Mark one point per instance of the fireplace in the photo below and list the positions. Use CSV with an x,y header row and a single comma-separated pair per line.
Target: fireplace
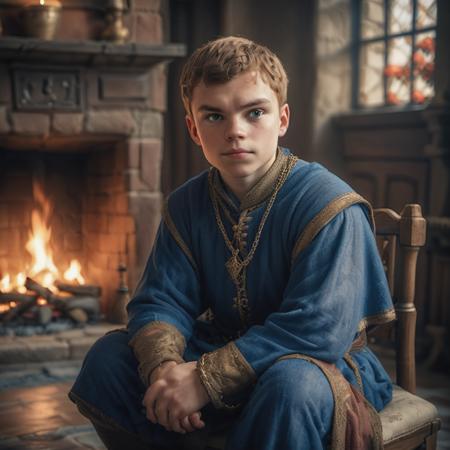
x,y
81,146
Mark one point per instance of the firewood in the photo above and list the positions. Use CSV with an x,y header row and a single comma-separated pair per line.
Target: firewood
x,y
19,309
42,291
88,304
6,297
75,289
78,315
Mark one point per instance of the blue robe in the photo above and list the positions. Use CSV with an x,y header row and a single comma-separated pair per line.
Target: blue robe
x,y
311,302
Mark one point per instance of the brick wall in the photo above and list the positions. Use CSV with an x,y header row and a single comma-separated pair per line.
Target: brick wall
x,y
102,159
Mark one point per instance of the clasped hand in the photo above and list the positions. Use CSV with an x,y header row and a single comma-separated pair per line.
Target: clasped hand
x,y
175,397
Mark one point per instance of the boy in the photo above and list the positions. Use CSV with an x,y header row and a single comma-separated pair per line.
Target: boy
x,y
281,255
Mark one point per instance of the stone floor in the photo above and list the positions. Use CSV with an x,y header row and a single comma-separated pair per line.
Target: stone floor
x,y
35,412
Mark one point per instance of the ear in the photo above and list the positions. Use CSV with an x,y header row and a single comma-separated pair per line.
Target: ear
x,y
192,129
284,119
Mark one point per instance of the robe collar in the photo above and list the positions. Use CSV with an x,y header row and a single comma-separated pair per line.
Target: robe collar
x,y
259,192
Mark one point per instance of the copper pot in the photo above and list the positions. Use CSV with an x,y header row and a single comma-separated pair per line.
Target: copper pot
x,y
41,21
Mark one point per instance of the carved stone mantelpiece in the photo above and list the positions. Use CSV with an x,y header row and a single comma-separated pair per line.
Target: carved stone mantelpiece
x,y
126,82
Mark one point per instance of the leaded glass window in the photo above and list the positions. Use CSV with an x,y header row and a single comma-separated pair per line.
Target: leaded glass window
x,y
393,52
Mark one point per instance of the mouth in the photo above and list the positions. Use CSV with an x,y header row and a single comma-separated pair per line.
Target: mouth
x,y
236,152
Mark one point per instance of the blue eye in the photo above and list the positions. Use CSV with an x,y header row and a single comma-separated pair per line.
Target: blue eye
x,y
256,113
213,117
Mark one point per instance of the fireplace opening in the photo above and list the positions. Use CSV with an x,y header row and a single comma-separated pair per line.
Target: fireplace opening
x,y
62,227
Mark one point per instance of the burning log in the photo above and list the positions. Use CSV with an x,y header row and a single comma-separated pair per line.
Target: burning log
x,y
77,308
75,289
42,291
83,303
6,297
20,309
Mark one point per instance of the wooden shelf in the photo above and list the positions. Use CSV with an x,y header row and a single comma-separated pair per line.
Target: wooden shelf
x,y
95,53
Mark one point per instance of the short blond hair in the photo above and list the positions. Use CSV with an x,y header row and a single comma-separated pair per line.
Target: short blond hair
x,y
222,59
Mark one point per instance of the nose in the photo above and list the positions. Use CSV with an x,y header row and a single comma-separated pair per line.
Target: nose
x,y
235,129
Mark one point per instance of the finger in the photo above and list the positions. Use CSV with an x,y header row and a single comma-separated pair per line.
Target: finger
x,y
175,424
162,412
186,424
149,400
195,420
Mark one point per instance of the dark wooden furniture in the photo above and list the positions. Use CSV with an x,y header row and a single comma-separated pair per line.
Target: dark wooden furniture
x,y
409,422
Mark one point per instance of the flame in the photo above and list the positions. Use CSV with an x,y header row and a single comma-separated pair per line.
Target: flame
x,y
74,272
37,246
5,283
42,268
20,282
42,2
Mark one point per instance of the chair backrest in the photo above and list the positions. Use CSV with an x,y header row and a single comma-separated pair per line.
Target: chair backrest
x,y
399,239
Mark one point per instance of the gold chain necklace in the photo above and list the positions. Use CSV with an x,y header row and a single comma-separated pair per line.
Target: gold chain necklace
x,y
236,265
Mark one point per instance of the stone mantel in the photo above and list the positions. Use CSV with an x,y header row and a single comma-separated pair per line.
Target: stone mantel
x,y
90,91
95,53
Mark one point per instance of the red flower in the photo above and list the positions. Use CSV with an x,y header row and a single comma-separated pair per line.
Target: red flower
x,y
419,59
427,71
393,70
392,99
418,97
426,44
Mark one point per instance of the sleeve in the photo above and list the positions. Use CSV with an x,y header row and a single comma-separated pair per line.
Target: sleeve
x,y
166,303
322,306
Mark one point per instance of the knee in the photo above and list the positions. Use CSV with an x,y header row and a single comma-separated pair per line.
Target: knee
x,y
107,355
297,383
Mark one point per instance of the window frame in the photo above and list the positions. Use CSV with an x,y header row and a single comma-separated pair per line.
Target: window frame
x,y
357,43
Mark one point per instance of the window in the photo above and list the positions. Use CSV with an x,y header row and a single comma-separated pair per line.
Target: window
x,y
393,52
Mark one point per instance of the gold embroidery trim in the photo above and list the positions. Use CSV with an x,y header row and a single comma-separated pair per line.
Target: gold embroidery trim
x,y
155,343
325,216
261,190
377,319
176,235
225,372
264,187
341,392
351,363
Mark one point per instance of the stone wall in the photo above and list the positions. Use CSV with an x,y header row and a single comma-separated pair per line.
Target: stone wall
x,y
112,128
333,84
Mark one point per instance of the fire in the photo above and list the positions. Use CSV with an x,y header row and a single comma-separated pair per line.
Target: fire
x,y
73,273
38,246
42,268
5,283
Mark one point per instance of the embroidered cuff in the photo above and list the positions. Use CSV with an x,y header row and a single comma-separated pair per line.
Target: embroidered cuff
x,y
223,373
155,343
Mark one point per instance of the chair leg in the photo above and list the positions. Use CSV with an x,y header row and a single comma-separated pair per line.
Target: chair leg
x,y
431,441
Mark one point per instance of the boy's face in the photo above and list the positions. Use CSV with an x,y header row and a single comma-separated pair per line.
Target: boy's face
x,y
237,124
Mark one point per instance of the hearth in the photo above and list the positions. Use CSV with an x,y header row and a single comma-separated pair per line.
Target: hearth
x,y
80,156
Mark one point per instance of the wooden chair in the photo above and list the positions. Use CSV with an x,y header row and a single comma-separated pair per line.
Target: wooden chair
x,y
409,422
